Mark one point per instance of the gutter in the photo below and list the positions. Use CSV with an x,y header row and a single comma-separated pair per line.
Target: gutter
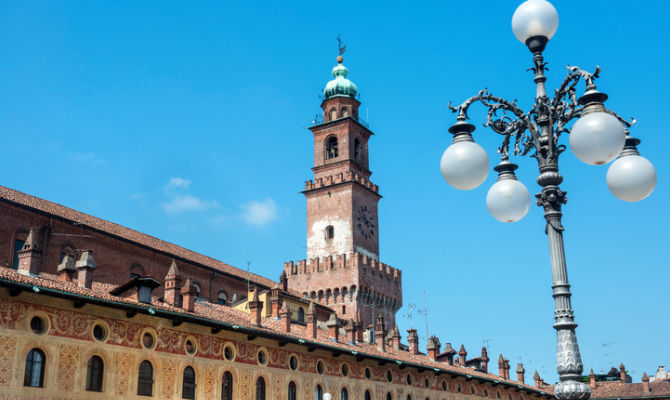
x,y
250,331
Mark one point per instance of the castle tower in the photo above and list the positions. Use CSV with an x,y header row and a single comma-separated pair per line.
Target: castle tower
x,y
342,268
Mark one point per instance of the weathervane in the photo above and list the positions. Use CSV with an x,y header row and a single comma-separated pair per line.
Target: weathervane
x,y
340,46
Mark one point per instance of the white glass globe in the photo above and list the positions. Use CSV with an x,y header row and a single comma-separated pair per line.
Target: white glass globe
x,y
464,165
597,138
534,18
326,396
508,200
631,178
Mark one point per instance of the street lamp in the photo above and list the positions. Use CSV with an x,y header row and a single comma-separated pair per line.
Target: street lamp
x,y
598,137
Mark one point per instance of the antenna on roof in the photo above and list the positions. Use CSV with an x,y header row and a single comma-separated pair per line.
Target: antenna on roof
x,y
424,311
408,315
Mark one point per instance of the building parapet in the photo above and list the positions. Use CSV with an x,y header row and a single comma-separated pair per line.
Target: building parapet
x,y
341,177
349,260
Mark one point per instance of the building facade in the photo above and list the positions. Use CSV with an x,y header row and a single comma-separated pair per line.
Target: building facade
x,y
92,310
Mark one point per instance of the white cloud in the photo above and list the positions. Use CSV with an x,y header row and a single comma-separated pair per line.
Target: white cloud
x,y
259,212
177,183
88,158
187,202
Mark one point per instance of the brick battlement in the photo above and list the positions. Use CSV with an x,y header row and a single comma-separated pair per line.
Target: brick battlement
x,y
341,177
340,261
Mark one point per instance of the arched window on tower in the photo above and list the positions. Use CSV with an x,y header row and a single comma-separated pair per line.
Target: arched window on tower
x,y
333,114
34,374
357,148
145,379
345,112
227,386
94,373
330,232
331,147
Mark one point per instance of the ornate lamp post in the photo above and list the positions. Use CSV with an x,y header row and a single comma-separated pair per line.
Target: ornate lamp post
x,y
597,137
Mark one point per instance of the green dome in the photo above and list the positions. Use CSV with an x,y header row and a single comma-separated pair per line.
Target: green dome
x,y
340,86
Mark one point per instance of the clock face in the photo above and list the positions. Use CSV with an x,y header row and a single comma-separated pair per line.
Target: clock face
x,y
365,222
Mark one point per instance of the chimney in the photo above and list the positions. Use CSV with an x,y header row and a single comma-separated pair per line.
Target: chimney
x,y
255,308
413,340
350,328
622,373
645,383
29,255
536,378
501,366
485,360
283,281
85,267
188,295
433,347
311,320
592,379
66,268
520,373
507,369
285,316
275,302
395,338
333,325
450,352
380,333
461,355
172,285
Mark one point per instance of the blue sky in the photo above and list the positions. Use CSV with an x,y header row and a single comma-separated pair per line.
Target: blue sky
x,y
186,120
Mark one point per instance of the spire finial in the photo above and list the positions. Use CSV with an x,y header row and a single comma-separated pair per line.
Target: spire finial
x,y
341,47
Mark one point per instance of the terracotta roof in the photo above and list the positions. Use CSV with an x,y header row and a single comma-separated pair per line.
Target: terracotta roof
x,y
110,228
206,311
617,390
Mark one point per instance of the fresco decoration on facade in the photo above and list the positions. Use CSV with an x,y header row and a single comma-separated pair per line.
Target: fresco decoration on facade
x,y
307,387
210,382
278,385
169,376
245,383
67,367
124,366
7,357
11,312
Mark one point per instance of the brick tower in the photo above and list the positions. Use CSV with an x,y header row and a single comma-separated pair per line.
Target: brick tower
x,y
342,267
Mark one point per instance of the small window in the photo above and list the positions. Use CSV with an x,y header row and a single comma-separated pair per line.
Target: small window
x,y
344,394
409,397
330,232
331,147
197,290
345,112
409,379
188,386
228,352
189,346
318,394
260,388
458,387
99,332
222,298
319,367
344,310
227,386
426,383
367,373
389,376
357,148
301,315
345,370
388,396
145,294
333,114
293,363
444,386
18,245
94,373
292,391
262,357
148,340
367,395
145,379
34,374
37,325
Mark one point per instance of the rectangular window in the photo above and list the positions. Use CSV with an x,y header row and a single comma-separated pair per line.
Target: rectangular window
x,y
18,245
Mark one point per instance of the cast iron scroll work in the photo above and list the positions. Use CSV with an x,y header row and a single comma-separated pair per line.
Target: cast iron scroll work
x,y
540,129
